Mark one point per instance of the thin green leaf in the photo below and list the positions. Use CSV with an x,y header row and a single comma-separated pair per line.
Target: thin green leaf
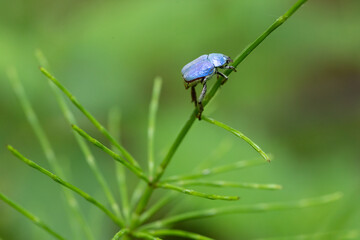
x,y
144,235
178,233
114,128
96,123
120,233
90,159
196,193
230,184
57,179
152,119
156,207
216,170
46,147
216,155
137,193
137,171
238,134
260,207
30,216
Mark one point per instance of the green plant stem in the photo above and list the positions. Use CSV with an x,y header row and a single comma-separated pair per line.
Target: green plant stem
x,y
261,207
137,171
46,147
178,233
114,128
151,128
30,216
196,193
57,179
137,194
120,234
100,127
211,94
230,184
238,134
216,170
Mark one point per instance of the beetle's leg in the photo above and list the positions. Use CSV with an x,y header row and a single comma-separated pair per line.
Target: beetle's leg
x,y
193,95
229,67
224,76
201,98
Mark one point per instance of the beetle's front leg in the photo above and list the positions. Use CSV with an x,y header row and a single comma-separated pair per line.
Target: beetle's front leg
x,y
193,96
224,76
230,67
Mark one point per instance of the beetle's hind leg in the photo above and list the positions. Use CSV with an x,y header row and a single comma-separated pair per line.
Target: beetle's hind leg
x,y
201,98
193,96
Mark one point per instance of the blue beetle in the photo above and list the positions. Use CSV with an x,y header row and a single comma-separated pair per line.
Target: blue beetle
x,y
201,70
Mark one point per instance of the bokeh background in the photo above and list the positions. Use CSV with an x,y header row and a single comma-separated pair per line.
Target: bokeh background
x,y
297,96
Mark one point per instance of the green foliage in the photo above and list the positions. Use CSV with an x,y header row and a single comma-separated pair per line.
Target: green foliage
x,y
134,217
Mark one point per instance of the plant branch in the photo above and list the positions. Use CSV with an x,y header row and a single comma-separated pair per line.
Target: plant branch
x,y
137,171
216,170
178,233
95,122
261,207
114,128
196,193
57,179
152,119
238,134
30,216
47,148
230,184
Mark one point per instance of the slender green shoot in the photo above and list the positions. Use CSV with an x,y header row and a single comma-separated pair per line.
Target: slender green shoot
x,y
46,147
216,170
152,119
30,216
238,134
114,129
144,235
120,234
57,179
216,155
260,207
90,159
136,170
156,207
178,233
137,193
230,184
196,193
95,122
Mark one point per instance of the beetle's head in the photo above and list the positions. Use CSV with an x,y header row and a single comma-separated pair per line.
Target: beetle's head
x,y
228,60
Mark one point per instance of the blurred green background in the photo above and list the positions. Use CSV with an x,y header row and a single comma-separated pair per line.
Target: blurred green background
x,y
297,96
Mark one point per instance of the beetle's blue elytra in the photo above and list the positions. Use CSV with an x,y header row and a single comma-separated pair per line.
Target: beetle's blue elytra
x,y
202,69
